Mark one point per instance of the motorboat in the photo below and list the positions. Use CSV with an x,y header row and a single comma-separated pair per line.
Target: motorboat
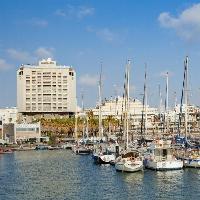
x,y
160,156
190,157
103,157
81,150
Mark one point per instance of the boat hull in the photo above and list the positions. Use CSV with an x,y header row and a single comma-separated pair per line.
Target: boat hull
x,y
129,166
164,165
83,152
194,163
103,159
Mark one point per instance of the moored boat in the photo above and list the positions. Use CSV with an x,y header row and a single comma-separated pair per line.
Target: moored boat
x,y
190,157
81,150
6,151
129,162
106,157
160,156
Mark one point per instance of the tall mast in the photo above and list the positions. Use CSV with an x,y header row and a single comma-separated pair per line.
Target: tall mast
x,y
145,98
127,106
160,98
186,95
160,108
175,118
167,101
76,123
100,104
83,114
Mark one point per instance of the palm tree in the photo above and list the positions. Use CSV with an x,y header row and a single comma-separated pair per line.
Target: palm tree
x,y
110,123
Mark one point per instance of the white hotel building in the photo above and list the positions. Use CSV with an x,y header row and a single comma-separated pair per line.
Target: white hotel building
x,y
46,89
115,108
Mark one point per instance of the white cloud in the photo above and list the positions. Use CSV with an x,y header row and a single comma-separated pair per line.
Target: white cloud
x,y
106,34
164,73
60,12
37,22
186,24
19,55
4,65
43,52
89,80
40,22
29,57
79,12
85,11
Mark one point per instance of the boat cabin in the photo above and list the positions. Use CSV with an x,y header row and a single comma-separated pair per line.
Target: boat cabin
x,y
160,150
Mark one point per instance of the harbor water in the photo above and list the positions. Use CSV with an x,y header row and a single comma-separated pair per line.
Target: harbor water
x,y
62,175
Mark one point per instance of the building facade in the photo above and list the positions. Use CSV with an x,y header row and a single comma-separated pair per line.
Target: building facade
x,y
7,115
13,132
47,88
115,108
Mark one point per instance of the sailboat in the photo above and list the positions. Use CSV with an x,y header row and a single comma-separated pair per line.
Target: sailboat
x,y
102,154
159,155
80,149
142,142
191,155
130,160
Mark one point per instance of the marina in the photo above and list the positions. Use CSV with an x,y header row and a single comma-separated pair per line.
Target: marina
x,y
64,175
100,100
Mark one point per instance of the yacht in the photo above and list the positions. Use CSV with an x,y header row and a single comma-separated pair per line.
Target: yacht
x,y
129,162
190,157
159,156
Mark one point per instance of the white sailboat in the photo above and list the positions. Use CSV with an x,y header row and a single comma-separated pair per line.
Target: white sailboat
x,y
191,156
160,156
102,154
79,148
129,161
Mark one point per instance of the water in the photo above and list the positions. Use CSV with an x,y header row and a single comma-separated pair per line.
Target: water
x,y
62,175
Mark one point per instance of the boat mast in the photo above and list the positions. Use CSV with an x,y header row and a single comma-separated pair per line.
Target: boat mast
x,y
186,95
127,106
145,98
76,123
83,115
100,104
160,109
175,117
167,101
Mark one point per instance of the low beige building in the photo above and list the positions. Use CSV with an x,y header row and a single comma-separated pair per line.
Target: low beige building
x,y
13,132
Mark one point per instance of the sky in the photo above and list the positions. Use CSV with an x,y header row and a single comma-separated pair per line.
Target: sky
x,y
86,33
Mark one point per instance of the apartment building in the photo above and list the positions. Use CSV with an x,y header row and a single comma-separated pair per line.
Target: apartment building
x,y
46,88
115,108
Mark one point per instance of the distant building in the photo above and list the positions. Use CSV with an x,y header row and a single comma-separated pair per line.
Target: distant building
x,y
13,132
7,115
115,108
46,89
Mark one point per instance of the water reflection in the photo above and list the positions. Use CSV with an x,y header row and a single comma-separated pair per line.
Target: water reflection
x,y
63,175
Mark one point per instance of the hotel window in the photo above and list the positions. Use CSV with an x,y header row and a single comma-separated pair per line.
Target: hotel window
x,y
71,73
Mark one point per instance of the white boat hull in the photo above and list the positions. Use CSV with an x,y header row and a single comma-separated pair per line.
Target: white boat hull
x,y
103,159
195,163
129,166
164,165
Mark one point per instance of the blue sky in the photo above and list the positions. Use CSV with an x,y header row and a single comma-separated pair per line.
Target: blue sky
x,y
84,33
